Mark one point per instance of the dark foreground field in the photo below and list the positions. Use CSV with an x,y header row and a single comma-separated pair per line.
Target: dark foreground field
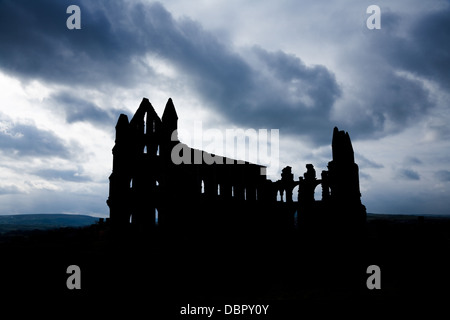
x,y
159,274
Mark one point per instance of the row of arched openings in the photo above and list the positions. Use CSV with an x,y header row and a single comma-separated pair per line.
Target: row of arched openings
x,y
157,150
232,190
156,217
317,194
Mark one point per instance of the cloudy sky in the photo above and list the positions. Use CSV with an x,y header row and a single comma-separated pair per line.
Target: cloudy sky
x,y
302,67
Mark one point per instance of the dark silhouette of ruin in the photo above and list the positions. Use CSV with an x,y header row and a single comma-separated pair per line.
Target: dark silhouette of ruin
x,y
226,233
147,187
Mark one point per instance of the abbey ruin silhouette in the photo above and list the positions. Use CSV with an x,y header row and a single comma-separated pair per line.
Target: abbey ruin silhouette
x,y
147,188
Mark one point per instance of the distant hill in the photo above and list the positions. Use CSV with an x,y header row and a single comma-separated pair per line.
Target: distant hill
x,y
25,222
28,222
405,217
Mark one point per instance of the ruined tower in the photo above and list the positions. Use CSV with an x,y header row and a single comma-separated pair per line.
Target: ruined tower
x,y
343,178
343,171
340,207
134,179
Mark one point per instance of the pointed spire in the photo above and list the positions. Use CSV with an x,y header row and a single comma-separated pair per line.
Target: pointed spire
x,y
140,113
151,113
169,113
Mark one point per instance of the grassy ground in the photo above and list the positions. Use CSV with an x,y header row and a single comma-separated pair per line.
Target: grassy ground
x,y
293,272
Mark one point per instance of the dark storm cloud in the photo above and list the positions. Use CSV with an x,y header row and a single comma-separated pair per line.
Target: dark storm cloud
x,y
426,52
412,161
408,174
443,175
365,176
289,95
67,175
399,100
393,61
260,89
366,163
76,109
277,91
116,36
26,140
36,43
388,103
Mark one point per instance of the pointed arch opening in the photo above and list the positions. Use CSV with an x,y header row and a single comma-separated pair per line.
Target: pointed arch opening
x,y
318,192
296,219
295,193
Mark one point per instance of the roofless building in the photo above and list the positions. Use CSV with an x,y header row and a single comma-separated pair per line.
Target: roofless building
x,y
148,188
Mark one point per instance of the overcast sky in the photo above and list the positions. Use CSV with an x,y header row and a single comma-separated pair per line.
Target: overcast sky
x,y
302,67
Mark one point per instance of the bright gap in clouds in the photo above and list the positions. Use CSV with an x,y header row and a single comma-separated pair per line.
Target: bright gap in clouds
x,y
46,164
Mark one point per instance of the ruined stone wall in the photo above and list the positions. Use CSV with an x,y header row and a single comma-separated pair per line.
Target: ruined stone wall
x,y
145,179
225,195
